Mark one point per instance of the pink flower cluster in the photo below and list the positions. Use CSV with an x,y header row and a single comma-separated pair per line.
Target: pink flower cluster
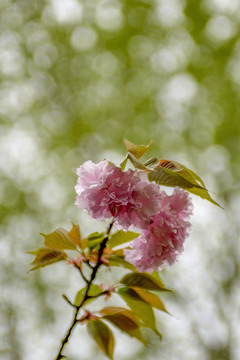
x,y
105,191
162,241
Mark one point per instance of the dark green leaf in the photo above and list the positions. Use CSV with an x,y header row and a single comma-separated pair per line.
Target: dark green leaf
x,y
59,240
46,256
144,281
124,319
142,310
136,150
121,237
102,335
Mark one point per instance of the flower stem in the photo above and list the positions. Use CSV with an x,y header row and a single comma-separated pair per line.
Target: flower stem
x,y
85,297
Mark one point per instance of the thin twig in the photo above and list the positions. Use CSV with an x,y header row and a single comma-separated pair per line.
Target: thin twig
x,y
82,275
89,265
68,301
85,297
96,296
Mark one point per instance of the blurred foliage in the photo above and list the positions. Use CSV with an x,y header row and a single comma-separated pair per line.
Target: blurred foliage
x,y
77,77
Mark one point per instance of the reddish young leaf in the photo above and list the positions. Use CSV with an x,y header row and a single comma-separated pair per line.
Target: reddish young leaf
x,y
136,150
75,234
124,319
102,335
46,256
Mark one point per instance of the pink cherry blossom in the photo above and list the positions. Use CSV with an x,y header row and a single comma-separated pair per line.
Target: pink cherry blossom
x,y
105,191
162,242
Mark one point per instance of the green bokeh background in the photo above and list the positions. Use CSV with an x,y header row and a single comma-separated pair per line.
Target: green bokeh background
x,y
76,78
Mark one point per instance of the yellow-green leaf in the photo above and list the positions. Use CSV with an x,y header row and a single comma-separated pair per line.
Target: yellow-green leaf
x,y
59,240
168,177
151,163
172,173
144,281
102,335
117,260
46,256
93,291
75,234
136,150
183,171
151,299
124,163
142,310
95,239
84,243
136,163
124,319
121,237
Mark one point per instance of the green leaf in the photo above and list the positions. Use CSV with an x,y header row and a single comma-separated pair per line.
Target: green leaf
x,y
136,163
75,234
46,256
151,163
144,281
121,237
93,291
203,193
142,310
151,299
124,319
182,170
172,173
102,335
95,239
168,177
96,235
136,150
124,163
59,240
84,243
116,260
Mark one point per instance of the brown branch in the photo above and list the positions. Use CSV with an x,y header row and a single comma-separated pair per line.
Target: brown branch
x,y
85,297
